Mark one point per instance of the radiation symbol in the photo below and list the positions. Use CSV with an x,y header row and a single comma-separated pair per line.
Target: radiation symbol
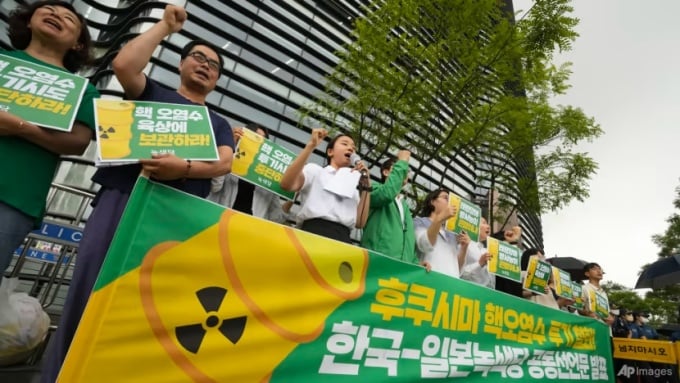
x,y
240,153
104,133
191,336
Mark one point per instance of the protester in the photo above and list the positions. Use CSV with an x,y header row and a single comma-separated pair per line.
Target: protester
x,y
512,236
594,273
549,298
199,69
389,227
324,209
53,34
476,257
233,192
435,245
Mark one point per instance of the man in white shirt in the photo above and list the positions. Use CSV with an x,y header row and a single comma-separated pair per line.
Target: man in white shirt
x,y
594,273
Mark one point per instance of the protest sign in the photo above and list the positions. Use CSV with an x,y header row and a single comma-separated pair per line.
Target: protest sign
x,y
39,94
128,131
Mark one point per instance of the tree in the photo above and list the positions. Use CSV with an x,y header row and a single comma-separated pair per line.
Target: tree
x,y
669,241
661,304
462,81
666,301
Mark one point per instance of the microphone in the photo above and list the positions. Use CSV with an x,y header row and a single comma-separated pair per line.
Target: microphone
x,y
354,159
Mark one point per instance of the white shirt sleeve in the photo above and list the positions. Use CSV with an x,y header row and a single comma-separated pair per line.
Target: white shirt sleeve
x,y
422,242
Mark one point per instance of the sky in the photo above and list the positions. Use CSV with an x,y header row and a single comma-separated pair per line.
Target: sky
x,y
626,74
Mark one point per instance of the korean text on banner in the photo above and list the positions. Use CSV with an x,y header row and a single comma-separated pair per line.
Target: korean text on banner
x,y
601,304
577,291
505,259
322,311
39,94
128,131
562,283
468,217
538,275
262,162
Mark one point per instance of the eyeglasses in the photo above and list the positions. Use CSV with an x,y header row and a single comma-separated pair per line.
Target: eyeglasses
x,y
202,59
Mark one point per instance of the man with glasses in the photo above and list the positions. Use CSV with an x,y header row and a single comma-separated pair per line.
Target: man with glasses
x,y
199,69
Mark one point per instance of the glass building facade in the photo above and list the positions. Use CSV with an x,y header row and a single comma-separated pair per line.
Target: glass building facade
x,y
277,53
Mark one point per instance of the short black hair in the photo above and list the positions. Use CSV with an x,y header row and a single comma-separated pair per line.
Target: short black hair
x,y
589,266
386,165
254,126
426,208
332,142
191,44
524,261
20,34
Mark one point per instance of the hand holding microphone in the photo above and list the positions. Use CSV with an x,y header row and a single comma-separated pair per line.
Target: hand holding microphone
x,y
358,165
364,181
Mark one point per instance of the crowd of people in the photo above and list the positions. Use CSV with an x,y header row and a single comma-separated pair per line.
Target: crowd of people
x,y
52,33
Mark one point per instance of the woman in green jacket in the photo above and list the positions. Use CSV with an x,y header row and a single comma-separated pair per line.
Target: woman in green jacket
x,y
389,228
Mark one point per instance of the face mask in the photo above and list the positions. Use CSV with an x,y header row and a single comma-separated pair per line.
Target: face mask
x,y
615,312
645,320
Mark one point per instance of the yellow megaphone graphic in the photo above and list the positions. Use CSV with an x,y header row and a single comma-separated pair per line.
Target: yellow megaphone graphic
x,y
245,303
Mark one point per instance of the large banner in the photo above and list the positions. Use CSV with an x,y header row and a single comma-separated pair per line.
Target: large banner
x,y
39,94
131,130
193,292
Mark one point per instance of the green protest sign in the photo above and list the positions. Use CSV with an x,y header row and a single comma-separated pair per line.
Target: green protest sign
x,y
538,275
601,304
562,283
262,162
577,292
505,259
39,94
468,217
346,314
128,131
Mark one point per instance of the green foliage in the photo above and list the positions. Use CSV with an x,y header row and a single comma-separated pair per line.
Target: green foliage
x,y
456,80
669,241
661,304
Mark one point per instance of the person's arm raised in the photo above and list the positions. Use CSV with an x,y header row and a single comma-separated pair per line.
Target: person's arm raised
x,y
437,222
130,62
293,178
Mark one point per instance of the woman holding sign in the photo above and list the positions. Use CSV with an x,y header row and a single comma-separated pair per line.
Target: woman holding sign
x,y
241,195
434,243
334,198
44,34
